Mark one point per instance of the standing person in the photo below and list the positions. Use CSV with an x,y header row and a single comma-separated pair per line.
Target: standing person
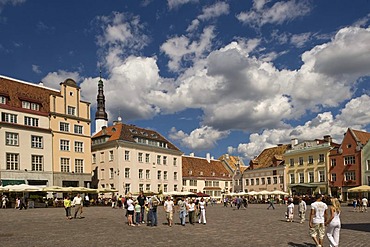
x,y
153,206
77,203
141,199
354,203
4,201
87,200
182,210
271,202
333,223
318,217
169,208
130,210
23,203
364,204
191,208
202,208
290,210
137,213
67,206
302,207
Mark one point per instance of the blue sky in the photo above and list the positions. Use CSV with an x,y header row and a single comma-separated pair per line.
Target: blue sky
x,y
212,76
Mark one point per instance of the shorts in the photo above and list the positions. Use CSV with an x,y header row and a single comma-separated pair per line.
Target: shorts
x,y
130,212
169,215
318,230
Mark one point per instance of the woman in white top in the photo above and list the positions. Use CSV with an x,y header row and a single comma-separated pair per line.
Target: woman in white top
x,y
191,207
202,208
130,210
333,223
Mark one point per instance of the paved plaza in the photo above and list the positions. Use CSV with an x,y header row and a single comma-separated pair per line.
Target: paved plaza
x,y
104,226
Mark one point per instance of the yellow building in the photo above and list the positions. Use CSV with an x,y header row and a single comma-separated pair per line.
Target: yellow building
x,y
307,166
70,125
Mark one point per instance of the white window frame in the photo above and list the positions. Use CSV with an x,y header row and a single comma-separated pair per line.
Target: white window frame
x,y
165,175
301,177
111,173
350,175
63,126
164,160
140,157
147,174
2,100
64,165
127,155
310,159
349,160
78,129
71,110
31,121
311,174
79,147
11,139
111,155
174,161
37,142
321,158
64,145
79,165
159,175
147,158
321,176
37,162
12,161
292,178
127,172
9,118
140,173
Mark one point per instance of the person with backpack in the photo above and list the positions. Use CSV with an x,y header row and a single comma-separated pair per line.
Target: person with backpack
x,y
153,206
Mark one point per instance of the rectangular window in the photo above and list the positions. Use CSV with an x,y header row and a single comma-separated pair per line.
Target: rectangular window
x,y
184,182
93,158
111,155
291,162
333,162
268,180
159,188
64,164
37,163
247,182
147,187
71,110
64,127
257,181
12,161
175,187
165,188
349,176
216,183
140,173
193,182
252,181
2,100
11,139
281,179
102,157
349,160
158,159
165,175
127,172
78,129
275,180
79,165
64,145
140,157
310,159
159,175
321,176
147,158
333,177
164,160
368,165
26,105
111,173
127,155
292,180
321,158
37,142
29,105
263,181
30,121
301,177
301,161
102,174
9,118
147,174
141,187
311,177
127,188
35,106
175,175
79,147
174,161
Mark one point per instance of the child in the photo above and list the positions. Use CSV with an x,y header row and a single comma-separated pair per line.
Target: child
x,y
137,213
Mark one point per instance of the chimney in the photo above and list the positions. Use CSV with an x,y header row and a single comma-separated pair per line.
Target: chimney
x,y
294,141
328,138
208,157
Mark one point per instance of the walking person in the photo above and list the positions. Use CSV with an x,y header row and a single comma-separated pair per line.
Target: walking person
x,y
153,205
302,207
364,204
318,217
169,208
290,210
77,203
67,207
182,210
141,199
4,200
202,208
354,203
191,208
333,223
271,202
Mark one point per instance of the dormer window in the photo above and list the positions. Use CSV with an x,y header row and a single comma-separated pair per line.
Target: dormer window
x,y
201,173
190,172
2,100
154,136
31,106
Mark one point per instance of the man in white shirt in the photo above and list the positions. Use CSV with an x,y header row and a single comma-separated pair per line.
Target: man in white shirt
x,y
364,204
302,209
77,203
318,217
169,208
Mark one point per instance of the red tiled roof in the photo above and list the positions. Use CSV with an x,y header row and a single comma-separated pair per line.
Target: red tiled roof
x,y
200,167
362,136
126,132
232,161
269,157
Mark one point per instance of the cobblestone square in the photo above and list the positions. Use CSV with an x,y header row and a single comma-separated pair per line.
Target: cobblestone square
x,y
104,226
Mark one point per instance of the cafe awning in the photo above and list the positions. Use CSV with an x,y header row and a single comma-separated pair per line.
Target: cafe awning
x,y
6,182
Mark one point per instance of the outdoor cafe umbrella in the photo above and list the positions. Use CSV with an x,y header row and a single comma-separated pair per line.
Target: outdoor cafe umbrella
x,y
252,193
106,190
3,189
362,188
23,188
278,192
55,189
201,194
81,190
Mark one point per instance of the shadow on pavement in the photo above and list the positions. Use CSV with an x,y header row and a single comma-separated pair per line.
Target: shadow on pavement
x,y
301,245
365,227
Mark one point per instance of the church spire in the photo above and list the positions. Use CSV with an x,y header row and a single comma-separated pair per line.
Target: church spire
x,y
101,116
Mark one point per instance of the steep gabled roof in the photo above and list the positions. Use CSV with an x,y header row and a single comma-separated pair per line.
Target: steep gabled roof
x,y
232,162
269,157
125,132
361,136
200,167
